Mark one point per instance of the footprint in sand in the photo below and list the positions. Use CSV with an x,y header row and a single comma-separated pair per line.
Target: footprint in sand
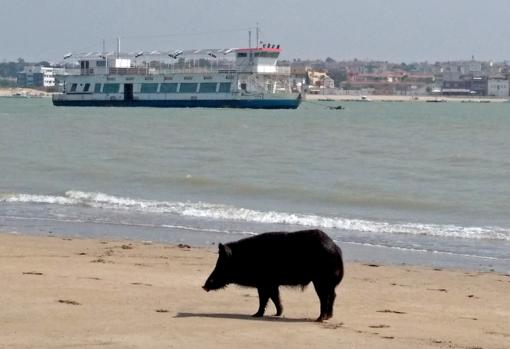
x,y
140,284
67,301
332,326
90,278
99,260
391,311
379,326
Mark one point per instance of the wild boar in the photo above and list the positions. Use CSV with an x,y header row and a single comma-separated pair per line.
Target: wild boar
x,y
275,259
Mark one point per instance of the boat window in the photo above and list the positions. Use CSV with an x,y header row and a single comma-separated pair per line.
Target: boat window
x,y
168,88
97,88
188,87
111,88
224,87
241,54
86,88
73,87
207,87
267,54
149,88
100,63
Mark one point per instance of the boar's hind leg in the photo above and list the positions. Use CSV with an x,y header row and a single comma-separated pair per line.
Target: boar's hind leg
x,y
264,294
331,302
326,293
275,297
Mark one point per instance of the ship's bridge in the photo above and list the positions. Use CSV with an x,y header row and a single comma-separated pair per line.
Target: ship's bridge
x,y
258,60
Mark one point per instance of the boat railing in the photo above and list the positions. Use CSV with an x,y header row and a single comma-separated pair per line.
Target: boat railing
x,y
143,70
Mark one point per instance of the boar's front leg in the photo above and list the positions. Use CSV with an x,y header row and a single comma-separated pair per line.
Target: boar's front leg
x,y
264,294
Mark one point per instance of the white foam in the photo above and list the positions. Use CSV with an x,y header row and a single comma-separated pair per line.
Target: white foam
x,y
225,212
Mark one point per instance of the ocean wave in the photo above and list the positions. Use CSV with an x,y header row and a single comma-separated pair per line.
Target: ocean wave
x,y
128,224
226,212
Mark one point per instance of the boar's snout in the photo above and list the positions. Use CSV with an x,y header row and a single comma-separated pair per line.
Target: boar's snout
x,y
219,278
210,284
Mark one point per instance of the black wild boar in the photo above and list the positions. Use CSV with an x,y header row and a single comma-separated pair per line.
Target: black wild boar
x,y
270,260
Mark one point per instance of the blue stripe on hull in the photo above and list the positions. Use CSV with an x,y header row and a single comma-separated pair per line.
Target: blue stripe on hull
x,y
229,103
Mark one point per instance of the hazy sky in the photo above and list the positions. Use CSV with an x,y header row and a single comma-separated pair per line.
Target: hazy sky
x,y
395,30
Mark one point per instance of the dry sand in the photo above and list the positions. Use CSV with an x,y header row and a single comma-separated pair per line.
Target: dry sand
x,y
63,293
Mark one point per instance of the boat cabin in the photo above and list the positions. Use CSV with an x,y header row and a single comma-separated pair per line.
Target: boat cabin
x,y
258,60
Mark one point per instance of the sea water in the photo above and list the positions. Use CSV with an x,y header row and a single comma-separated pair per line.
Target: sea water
x,y
414,183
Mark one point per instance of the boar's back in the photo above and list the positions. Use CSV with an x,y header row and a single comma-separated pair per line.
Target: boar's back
x,y
281,258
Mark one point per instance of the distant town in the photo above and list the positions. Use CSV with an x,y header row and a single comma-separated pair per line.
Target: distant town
x,y
466,78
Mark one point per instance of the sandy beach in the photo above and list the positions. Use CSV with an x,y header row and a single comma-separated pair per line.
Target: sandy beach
x,y
60,292
23,92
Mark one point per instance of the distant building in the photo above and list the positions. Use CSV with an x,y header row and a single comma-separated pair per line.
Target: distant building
x,y
37,76
391,82
462,67
455,84
498,86
319,81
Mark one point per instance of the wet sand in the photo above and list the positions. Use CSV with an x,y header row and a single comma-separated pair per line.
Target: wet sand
x,y
60,293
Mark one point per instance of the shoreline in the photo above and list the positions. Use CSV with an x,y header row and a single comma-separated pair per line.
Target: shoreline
x,y
61,291
394,98
353,251
22,92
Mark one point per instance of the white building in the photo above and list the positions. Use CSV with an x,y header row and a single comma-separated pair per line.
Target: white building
x,y
37,76
498,87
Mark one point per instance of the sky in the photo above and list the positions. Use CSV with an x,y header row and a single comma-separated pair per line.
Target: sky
x,y
387,30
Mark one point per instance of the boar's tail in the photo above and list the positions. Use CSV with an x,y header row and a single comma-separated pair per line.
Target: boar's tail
x,y
340,270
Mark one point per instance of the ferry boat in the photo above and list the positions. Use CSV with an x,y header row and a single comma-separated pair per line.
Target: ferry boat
x,y
212,78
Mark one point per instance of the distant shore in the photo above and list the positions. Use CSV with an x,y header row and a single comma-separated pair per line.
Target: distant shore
x,y
63,292
23,92
31,93
393,98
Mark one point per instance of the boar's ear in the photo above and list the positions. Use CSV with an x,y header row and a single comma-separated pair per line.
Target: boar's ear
x,y
224,250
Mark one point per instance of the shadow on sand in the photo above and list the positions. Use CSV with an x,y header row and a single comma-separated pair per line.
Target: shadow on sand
x,y
241,317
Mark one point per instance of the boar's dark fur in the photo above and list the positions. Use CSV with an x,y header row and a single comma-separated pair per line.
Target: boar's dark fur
x,y
270,260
